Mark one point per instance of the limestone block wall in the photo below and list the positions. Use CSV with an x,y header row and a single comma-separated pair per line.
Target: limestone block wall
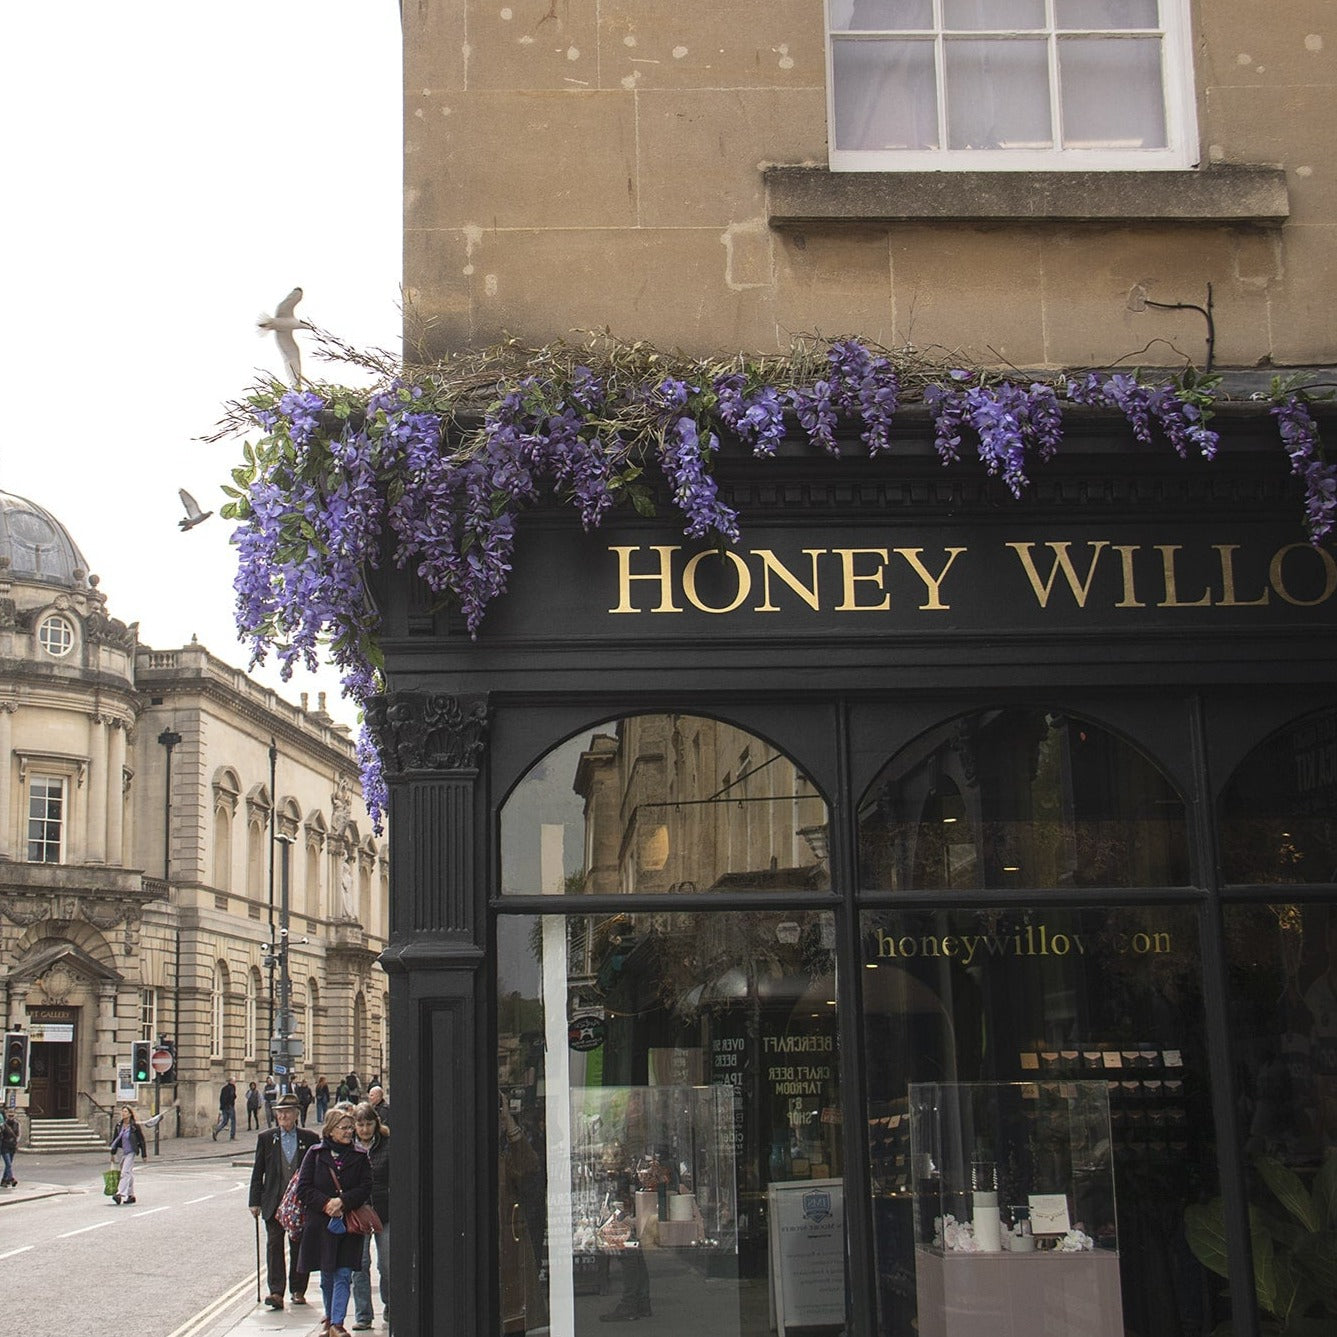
x,y
576,164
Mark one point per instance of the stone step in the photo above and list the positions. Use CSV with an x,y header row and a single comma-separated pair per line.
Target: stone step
x,y
62,1135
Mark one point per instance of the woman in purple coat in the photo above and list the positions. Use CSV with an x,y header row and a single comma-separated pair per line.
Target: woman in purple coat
x,y
335,1176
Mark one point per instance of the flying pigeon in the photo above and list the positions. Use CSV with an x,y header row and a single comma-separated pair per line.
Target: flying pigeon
x,y
194,516
283,323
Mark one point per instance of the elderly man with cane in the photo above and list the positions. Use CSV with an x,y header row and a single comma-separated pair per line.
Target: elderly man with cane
x,y
278,1157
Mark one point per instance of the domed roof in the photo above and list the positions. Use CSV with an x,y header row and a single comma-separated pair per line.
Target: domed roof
x,y
37,546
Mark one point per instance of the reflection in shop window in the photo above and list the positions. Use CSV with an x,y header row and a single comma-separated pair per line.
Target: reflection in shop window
x,y
664,803
1283,1024
1021,798
1018,1019
670,1119
1279,811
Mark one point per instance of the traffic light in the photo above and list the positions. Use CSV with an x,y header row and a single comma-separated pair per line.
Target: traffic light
x,y
170,1075
16,1060
139,1061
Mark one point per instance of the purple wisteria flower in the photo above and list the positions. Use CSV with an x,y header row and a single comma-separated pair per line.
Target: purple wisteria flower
x,y
694,490
1299,435
756,416
1182,420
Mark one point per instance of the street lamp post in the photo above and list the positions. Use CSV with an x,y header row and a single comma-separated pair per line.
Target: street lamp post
x,y
169,738
273,834
284,1046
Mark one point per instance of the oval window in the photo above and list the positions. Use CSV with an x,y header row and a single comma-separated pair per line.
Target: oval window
x,y
663,803
1017,798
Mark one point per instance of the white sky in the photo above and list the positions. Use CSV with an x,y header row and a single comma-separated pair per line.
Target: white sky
x,y
171,169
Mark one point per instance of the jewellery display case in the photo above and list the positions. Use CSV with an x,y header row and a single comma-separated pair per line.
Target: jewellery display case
x,y
653,1167
1014,1208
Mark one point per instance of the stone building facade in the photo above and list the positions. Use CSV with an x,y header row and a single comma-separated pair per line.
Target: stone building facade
x,y
132,911
724,180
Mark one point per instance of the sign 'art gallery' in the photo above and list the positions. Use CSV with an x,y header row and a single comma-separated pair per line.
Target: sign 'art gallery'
x,y
913,919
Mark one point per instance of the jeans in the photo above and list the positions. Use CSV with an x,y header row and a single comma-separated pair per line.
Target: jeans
x,y
362,1309
321,1107
8,1158
334,1289
126,1187
226,1114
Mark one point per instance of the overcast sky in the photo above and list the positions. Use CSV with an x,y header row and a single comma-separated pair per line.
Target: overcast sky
x,y
172,169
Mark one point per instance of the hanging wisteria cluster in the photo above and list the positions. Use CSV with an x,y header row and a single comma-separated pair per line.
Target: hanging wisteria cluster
x,y
445,474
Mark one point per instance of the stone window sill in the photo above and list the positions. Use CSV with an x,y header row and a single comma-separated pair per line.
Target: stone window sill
x,y
802,196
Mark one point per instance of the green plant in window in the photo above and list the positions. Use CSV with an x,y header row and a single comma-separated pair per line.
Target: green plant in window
x,y
1293,1231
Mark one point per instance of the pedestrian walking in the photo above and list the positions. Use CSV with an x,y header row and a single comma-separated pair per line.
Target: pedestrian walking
x,y
227,1108
373,1137
252,1107
271,1095
341,1096
127,1143
303,1093
376,1099
278,1156
9,1145
335,1177
322,1099
354,1083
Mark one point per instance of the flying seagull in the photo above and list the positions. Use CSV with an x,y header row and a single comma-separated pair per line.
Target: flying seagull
x,y
194,516
283,322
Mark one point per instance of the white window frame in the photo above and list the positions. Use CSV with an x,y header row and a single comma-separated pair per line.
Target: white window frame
x,y
252,1014
218,1029
67,635
148,1015
1181,122
62,823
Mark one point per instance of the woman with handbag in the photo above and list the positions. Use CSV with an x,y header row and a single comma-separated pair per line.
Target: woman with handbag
x,y
373,1137
127,1142
333,1184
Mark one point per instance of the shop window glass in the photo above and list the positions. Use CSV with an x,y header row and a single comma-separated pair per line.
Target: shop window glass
x,y
1021,798
1279,811
1061,1055
1283,1025
670,1123
664,803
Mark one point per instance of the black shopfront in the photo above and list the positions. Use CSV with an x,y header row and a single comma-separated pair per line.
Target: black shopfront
x,y
922,909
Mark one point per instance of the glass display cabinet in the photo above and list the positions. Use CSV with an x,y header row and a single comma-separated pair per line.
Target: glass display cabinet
x,y
1014,1208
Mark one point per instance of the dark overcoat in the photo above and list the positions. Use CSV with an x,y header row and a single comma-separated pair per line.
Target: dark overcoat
x,y
320,1250
267,1178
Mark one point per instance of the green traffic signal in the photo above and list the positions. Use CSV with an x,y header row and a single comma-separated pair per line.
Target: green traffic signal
x,y
139,1062
16,1060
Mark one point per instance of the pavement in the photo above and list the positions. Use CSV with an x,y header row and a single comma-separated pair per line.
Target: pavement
x,y
301,1322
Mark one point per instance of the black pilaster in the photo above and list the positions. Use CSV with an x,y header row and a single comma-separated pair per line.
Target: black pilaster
x,y
432,747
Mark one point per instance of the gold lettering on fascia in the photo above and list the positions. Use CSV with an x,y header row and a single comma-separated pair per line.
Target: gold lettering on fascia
x,y
1059,573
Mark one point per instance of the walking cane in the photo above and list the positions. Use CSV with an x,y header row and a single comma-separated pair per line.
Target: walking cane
x,y
256,1219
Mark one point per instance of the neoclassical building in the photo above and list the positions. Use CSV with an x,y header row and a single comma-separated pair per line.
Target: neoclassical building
x,y
150,804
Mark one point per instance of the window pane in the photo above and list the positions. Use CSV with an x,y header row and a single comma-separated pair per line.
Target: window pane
x,y
1106,14
664,803
669,1084
1081,1006
995,15
1283,1027
1279,811
997,95
1013,798
885,95
1111,92
878,15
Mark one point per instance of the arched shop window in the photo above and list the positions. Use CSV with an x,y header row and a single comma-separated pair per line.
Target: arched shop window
x,y
1279,810
669,1081
1279,835
1012,798
664,803
1034,1071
